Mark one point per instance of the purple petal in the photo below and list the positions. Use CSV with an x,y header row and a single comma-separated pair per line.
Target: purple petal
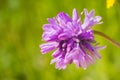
x,y
88,46
75,16
52,20
51,27
89,59
73,53
60,64
95,54
99,47
85,12
48,47
75,61
47,36
86,35
90,14
97,19
54,60
90,20
82,62
56,53
64,36
47,27
63,18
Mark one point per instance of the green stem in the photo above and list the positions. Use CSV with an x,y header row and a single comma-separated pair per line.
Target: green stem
x,y
107,38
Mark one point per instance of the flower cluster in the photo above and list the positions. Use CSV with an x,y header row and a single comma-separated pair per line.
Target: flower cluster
x,y
72,39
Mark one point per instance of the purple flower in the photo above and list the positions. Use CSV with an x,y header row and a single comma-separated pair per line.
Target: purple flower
x,y
72,39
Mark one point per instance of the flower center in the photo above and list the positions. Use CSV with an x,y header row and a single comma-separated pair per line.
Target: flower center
x,y
82,39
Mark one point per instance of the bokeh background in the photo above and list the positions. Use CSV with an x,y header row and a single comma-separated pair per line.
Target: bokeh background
x,y
20,35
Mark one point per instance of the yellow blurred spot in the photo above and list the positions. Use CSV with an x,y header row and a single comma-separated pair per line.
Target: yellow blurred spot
x,y
110,3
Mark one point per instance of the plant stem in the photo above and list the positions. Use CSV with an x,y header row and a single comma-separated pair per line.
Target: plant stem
x,y
107,38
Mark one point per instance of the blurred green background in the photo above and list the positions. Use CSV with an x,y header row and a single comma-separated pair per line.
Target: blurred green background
x,y
20,35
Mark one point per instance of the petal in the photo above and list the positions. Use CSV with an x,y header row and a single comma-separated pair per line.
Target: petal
x,y
77,28
63,18
75,61
89,59
85,12
48,47
47,27
52,21
88,46
50,36
54,60
95,54
64,36
91,14
99,47
60,64
73,54
81,58
86,35
51,27
75,16
56,53
90,20
97,19
82,62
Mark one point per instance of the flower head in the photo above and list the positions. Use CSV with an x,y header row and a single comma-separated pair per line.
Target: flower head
x,y
72,39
